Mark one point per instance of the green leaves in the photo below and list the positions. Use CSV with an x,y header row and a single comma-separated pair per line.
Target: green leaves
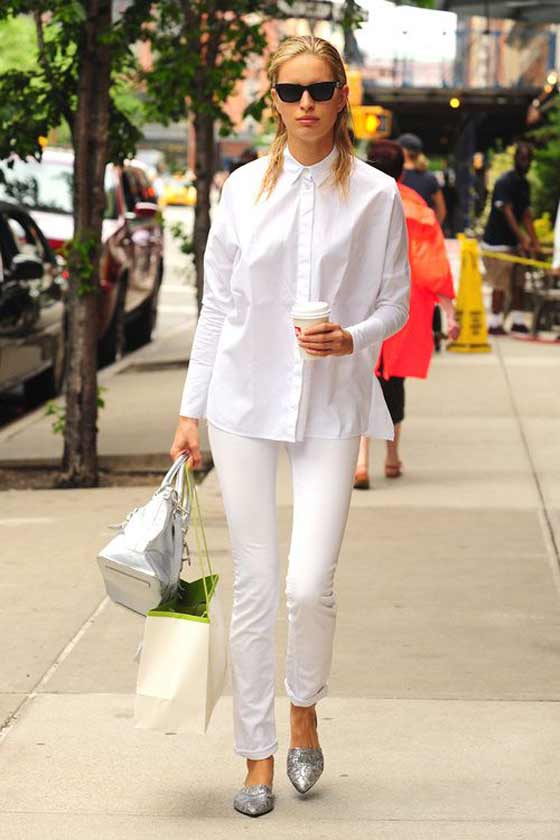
x,y
256,109
58,412
422,4
200,53
27,111
80,253
39,97
545,180
184,239
352,15
18,44
124,134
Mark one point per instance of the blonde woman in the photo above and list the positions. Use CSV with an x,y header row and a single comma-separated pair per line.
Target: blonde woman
x,y
307,222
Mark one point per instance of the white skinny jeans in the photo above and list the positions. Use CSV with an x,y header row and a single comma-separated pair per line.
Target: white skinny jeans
x,y
322,477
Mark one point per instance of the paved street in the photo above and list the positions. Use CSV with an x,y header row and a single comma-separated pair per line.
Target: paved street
x,y
442,721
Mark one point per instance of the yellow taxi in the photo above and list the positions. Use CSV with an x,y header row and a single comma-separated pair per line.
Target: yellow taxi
x,y
178,191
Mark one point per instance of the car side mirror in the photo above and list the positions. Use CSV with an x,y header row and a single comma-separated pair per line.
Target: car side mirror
x,y
25,267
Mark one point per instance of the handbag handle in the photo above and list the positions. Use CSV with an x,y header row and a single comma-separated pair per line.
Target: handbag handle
x,y
173,469
183,497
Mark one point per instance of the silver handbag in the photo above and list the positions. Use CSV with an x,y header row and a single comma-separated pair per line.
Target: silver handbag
x,y
142,564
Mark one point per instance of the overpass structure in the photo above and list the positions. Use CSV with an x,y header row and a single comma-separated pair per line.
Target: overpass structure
x,y
524,11
491,114
456,123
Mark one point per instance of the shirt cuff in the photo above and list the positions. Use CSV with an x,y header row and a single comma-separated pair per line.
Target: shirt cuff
x,y
366,333
195,390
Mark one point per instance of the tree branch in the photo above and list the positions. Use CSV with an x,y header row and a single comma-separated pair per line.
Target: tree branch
x,y
215,38
188,15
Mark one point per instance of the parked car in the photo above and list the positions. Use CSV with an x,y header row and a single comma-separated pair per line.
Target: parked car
x,y
131,266
32,325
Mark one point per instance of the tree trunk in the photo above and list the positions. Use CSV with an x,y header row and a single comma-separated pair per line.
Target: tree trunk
x,y
90,146
205,165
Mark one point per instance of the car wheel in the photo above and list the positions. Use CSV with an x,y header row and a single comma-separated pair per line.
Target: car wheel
x,y
111,345
139,331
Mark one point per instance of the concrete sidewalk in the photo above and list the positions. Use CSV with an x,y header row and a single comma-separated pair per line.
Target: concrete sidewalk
x,y
442,720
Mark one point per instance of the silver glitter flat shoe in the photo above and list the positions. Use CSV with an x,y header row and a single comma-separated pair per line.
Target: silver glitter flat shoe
x,y
254,800
305,765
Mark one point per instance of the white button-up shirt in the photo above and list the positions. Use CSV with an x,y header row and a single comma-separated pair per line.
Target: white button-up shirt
x,y
304,243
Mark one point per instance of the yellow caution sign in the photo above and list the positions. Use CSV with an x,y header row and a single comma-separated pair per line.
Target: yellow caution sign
x,y
473,337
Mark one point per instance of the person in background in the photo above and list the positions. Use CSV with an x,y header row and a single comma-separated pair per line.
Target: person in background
x,y
416,176
450,194
408,352
247,155
509,229
480,188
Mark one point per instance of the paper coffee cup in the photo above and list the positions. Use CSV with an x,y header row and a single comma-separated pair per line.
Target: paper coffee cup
x,y
306,315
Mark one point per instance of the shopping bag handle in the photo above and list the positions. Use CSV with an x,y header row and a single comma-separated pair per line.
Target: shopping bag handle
x,y
199,533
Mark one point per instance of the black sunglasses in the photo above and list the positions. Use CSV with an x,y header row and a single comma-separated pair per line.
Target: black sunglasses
x,y
319,91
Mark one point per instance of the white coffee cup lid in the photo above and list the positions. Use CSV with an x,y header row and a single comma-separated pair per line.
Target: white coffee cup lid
x,y
311,309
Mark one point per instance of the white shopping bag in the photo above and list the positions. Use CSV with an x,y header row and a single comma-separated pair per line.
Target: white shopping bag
x,y
182,669
183,662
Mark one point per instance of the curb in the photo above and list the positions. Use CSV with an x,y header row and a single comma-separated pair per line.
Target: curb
x,y
153,463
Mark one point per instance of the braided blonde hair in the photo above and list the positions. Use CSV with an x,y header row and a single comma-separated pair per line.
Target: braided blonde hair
x,y
289,48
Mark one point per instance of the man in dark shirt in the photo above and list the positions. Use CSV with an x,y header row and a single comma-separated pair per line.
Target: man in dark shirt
x,y
417,178
509,229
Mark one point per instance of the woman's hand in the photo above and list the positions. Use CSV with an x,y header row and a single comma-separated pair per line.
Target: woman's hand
x,y
453,328
326,340
187,439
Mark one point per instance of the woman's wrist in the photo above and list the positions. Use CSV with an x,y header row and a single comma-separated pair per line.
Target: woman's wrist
x,y
447,305
194,420
349,338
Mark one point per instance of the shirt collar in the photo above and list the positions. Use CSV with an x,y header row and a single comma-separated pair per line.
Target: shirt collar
x,y
318,171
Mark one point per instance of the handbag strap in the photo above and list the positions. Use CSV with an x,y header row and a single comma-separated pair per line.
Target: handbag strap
x,y
173,470
199,533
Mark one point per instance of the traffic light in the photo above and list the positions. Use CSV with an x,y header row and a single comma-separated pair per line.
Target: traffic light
x,y
371,121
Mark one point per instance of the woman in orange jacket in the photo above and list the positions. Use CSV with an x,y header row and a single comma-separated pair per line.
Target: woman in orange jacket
x,y
408,353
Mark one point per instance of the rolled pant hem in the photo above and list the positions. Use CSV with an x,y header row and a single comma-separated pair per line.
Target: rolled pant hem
x,y
297,701
258,754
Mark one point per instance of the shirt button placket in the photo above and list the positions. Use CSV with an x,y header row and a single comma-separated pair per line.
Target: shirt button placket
x,y
303,288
